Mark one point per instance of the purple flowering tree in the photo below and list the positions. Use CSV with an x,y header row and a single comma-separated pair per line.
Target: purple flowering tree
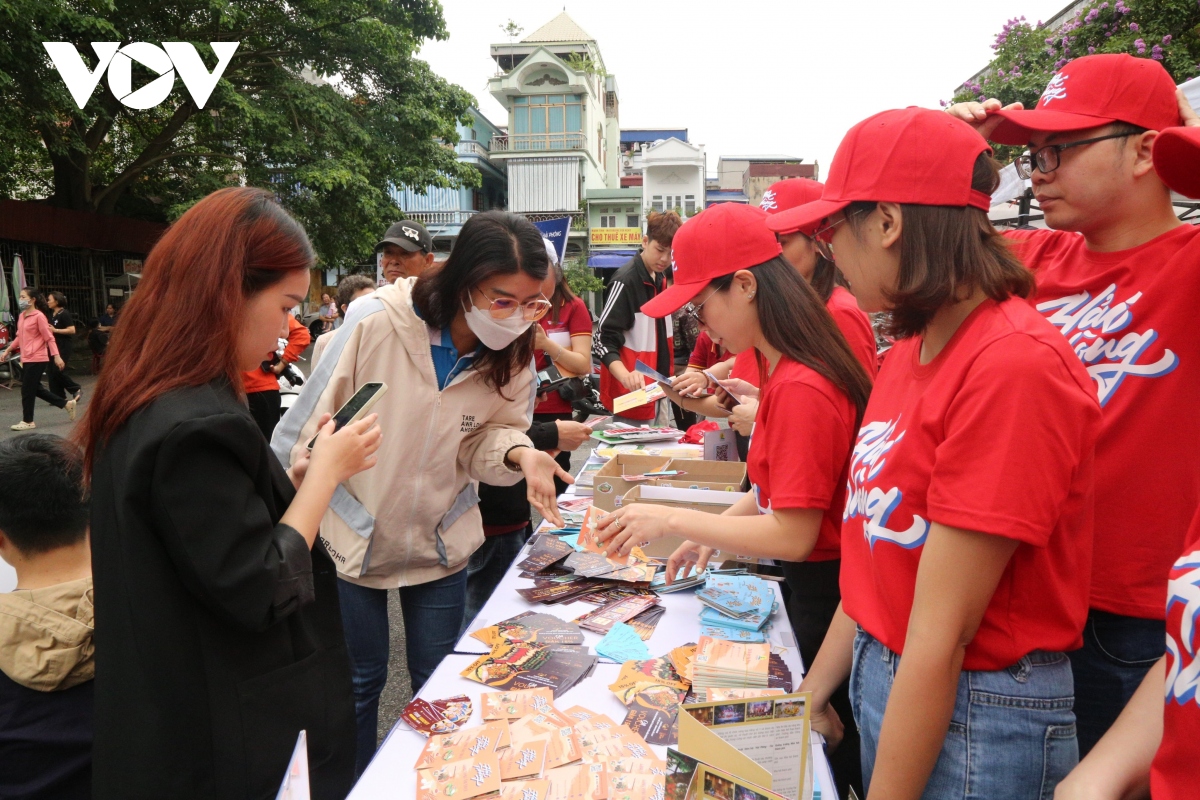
x,y
1027,56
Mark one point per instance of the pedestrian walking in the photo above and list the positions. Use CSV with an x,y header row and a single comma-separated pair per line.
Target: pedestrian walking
x,y
63,323
35,342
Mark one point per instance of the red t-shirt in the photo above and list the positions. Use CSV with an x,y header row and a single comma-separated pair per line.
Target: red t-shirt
x,y
800,460
705,353
995,434
1131,318
745,367
855,325
573,320
1173,773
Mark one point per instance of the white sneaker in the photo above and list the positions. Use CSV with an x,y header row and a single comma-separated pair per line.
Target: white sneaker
x,y
70,408
24,426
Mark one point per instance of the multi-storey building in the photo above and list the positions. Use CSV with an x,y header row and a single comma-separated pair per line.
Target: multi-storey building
x,y
563,130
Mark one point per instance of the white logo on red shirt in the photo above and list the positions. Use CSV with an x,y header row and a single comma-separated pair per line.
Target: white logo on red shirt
x,y
768,202
875,440
1091,324
1056,89
1184,587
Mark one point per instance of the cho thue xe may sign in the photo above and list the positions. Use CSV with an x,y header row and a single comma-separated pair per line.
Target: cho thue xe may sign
x,y
616,236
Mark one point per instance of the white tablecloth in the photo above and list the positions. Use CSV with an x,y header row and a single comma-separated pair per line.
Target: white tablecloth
x,y
391,776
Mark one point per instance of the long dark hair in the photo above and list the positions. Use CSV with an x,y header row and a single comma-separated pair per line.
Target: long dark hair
x,y
562,293
795,321
39,300
946,253
826,276
491,243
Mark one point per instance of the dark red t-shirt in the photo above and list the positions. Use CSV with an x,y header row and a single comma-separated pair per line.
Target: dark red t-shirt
x,y
1173,774
799,460
573,320
705,353
1130,316
996,434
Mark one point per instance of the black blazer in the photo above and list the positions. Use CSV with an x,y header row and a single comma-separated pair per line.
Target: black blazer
x,y
218,636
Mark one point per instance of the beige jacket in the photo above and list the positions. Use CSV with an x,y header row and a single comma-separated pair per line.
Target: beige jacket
x,y
412,518
47,636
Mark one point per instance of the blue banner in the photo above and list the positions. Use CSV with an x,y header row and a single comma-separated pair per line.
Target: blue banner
x,y
556,231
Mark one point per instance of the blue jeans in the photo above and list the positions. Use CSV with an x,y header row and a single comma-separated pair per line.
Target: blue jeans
x,y
1116,654
1012,734
486,568
432,615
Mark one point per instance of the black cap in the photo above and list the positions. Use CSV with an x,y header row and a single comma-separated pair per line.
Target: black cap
x,y
408,235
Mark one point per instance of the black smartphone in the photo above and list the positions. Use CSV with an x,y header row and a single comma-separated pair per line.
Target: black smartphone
x,y
550,378
356,407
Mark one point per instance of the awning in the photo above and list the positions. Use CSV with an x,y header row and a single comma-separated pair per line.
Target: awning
x,y
610,259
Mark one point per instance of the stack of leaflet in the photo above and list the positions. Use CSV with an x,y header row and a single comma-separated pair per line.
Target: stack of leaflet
x,y
620,432
730,665
738,607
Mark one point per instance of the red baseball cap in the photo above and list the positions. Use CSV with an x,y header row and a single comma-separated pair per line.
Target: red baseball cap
x,y
911,155
1177,160
1093,91
789,193
784,196
718,241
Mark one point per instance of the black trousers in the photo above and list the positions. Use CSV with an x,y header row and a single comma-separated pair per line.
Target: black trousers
x,y
814,598
60,382
31,389
265,408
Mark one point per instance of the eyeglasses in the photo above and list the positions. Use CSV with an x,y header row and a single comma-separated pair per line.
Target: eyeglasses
x,y
1046,159
823,238
505,307
693,309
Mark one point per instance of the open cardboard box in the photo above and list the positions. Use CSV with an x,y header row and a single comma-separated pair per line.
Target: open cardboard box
x,y
724,476
695,499
608,487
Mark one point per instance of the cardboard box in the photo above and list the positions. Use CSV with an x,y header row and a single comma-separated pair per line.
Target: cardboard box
x,y
607,485
695,499
721,475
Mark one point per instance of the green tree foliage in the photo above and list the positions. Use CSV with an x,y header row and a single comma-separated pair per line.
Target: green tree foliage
x,y
329,148
1027,56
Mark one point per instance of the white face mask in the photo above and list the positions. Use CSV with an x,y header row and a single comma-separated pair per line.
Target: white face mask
x,y
496,334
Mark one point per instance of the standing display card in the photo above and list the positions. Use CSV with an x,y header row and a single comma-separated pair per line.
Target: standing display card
x,y
772,732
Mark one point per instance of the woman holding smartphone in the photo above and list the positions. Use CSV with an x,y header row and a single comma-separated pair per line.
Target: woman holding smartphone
x,y
456,347
966,538
218,637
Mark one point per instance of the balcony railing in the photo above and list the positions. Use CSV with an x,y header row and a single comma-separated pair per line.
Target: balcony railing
x,y
471,147
439,218
578,218
436,219
521,142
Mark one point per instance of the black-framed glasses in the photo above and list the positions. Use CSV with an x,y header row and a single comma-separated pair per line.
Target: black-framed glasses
x,y
1047,159
693,309
505,307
